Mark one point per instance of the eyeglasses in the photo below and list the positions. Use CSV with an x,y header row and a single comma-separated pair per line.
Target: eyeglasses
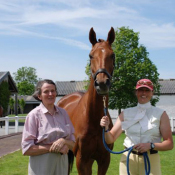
x,y
148,83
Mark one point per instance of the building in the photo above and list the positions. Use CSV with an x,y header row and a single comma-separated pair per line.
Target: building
x,y
30,103
6,77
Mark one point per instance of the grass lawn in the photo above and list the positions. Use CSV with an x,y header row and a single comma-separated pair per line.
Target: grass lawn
x,y
16,164
20,120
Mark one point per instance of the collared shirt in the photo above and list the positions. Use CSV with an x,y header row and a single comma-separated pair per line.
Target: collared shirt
x,y
43,128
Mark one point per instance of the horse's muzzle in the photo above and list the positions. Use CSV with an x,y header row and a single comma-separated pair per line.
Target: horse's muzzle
x,y
102,88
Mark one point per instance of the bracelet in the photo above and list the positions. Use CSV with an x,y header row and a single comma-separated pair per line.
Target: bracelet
x,y
107,130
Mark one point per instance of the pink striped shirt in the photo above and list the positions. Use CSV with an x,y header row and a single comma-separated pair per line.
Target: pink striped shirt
x,y
43,128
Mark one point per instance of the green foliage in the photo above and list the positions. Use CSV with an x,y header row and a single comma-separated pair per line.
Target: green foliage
x,y
21,103
11,104
88,73
4,96
26,80
26,74
132,63
25,88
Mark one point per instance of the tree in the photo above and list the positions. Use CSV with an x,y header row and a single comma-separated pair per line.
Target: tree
x,y
26,80
132,63
4,96
88,73
25,88
11,104
22,105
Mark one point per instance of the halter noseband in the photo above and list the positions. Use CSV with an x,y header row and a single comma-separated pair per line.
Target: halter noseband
x,y
101,71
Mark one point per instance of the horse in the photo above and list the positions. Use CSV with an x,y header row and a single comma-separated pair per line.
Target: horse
x,y
86,109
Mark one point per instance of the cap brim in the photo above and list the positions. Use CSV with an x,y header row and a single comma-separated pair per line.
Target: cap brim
x,y
144,86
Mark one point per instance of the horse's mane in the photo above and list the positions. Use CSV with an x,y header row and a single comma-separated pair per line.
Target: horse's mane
x,y
100,40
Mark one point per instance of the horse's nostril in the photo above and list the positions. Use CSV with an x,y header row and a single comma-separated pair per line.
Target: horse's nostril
x,y
108,82
102,84
96,83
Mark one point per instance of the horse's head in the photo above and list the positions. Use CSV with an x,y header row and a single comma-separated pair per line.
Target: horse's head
x,y
102,61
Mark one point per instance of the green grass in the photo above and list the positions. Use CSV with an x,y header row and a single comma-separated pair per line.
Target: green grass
x,y
21,120
16,164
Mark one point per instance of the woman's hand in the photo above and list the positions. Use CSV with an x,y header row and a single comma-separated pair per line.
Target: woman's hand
x,y
59,146
142,147
64,149
105,122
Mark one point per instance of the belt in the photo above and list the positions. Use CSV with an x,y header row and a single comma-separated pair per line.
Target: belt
x,y
151,152
140,154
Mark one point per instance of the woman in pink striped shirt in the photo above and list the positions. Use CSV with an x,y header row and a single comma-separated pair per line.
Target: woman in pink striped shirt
x,y
48,134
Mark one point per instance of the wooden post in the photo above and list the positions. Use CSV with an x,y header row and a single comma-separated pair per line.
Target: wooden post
x,y
16,104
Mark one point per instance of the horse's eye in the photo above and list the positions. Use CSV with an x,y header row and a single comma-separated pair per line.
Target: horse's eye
x,y
90,56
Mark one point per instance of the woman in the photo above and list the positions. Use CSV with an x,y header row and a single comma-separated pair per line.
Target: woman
x,y
48,134
144,126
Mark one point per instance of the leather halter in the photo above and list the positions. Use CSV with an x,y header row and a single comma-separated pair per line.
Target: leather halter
x,y
101,71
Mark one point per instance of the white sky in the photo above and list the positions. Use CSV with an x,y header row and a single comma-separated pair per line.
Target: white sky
x,y
53,36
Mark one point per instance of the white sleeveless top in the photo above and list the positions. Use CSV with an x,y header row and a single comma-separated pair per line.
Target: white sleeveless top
x,y
141,124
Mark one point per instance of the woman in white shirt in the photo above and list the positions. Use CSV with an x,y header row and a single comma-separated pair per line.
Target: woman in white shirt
x,y
144,126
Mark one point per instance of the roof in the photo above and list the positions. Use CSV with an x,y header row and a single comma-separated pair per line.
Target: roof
x,y
167,86
28,99
68,87
7,76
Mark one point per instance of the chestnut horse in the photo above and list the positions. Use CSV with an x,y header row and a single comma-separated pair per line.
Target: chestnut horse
x,y
86,109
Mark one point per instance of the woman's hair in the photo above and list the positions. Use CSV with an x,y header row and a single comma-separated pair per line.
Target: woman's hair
x,y
39,86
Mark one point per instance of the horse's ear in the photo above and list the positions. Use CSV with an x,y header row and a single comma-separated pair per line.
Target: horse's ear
x,y
111,36
92,36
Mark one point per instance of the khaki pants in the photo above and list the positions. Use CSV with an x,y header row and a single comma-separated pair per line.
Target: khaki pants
x,y
136,164
48,164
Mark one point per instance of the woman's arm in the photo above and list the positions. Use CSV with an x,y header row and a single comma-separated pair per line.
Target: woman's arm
x,y
165,130
116,130
35,150
60,143
60,146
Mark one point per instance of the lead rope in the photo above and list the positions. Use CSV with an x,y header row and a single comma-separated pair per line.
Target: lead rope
x,y
145,155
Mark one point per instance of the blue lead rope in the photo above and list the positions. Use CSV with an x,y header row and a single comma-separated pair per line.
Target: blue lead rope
x,y
145,155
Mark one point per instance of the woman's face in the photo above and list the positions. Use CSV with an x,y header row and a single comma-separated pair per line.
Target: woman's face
x,y
48,94
144,95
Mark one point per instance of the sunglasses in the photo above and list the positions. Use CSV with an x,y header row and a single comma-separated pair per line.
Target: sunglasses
x,y
148,83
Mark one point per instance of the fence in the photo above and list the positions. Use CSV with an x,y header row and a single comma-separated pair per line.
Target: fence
x,y
16,118
7,119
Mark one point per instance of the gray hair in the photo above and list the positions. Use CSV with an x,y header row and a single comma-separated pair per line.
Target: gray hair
x,y
39,86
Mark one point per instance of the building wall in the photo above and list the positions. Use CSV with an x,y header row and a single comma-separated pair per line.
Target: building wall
x,y
167,102
29,107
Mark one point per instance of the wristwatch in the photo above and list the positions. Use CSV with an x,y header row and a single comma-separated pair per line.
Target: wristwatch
x,y
152,146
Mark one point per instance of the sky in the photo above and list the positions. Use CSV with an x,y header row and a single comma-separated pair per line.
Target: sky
x,y
52,36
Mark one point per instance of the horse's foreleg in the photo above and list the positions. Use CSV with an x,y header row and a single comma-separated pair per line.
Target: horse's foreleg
x,y
84,165
103,164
